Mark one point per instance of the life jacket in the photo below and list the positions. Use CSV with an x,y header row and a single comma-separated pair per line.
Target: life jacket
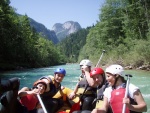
x,y
29,101
100,91
89,91
117,96
100,96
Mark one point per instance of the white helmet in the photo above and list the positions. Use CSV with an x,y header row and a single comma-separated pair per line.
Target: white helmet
x,y
115,69
86,62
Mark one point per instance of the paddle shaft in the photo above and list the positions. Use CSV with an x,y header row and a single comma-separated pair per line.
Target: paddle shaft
x,y
126,92
41,102
100,58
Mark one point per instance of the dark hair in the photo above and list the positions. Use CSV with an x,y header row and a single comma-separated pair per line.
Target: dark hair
x,y
123,79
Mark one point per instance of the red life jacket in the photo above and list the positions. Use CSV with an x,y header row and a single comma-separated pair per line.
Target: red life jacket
x,y
29,101
116,100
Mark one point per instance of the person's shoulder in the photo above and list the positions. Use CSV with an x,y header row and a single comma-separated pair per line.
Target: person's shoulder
x,y
108,89
50,76
132,89
107,92
132,86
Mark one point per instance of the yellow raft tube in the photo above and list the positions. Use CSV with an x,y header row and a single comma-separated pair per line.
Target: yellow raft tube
x,y
64,94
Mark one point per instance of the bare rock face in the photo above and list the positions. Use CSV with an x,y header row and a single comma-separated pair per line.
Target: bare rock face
x,y
57,27
63,30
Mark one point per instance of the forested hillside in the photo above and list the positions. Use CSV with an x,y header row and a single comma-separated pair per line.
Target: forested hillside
x,y
73,43
123,31
20,45
40,28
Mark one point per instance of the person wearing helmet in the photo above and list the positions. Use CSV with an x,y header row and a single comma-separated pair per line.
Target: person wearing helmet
x,y
28,97
10,103
53,86
83,63
114,95
90,84
56,97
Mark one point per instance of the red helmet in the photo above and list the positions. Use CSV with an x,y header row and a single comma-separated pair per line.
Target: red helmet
x,y
96,71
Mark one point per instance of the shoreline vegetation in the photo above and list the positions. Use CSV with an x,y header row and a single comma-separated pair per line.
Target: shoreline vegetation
x,y
124,36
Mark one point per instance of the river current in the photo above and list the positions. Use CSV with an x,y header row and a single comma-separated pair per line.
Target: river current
x,y
27,78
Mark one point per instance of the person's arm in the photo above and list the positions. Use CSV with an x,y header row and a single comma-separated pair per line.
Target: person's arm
x,y
71,96
90,80
141,105
25,91
104,107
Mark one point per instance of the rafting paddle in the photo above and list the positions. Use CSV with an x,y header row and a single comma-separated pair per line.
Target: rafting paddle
x,y
41,102
100,58
126,92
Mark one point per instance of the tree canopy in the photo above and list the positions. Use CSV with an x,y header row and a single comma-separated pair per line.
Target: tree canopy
x,y
21,45
123,30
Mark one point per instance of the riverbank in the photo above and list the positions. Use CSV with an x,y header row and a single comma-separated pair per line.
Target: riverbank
x,y
9,67
143,67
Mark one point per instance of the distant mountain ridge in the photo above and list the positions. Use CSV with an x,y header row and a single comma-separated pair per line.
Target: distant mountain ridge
x,y
63,30
40,28
59,31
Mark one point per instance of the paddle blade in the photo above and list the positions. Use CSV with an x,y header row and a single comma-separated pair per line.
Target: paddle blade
x,y
75,107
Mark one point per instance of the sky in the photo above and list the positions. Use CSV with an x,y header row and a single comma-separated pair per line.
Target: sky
x,y
49,12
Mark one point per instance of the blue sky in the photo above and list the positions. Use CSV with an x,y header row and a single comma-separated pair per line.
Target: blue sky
x,y
49,12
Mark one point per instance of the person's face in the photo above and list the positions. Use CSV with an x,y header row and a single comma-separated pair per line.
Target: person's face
x,y
40,88
110,78
81,69
98,79
59,77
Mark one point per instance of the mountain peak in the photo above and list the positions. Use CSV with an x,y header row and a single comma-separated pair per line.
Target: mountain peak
x,y
62,30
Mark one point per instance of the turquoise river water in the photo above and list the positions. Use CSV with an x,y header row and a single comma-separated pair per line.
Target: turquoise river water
x,y
27,78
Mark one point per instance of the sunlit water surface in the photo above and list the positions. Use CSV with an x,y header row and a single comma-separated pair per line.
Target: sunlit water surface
x,y
27,78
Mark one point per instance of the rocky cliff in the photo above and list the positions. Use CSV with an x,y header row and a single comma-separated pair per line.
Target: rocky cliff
x,y
63,30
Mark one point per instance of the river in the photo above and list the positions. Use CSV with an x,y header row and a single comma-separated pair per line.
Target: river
x,y
27,77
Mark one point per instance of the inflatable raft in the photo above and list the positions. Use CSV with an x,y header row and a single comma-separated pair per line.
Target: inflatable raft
x,y
64,94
